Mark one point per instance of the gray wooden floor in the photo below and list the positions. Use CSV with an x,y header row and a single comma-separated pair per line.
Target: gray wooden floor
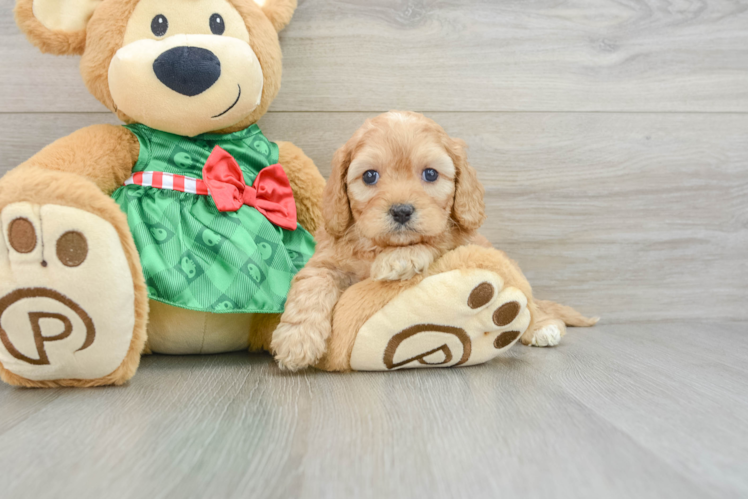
x,y
620,410
612,137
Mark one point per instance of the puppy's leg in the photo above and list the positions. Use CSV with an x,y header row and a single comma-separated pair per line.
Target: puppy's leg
x,y
301,337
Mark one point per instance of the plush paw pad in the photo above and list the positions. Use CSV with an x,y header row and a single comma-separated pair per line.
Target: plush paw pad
x,y
457,318
66,294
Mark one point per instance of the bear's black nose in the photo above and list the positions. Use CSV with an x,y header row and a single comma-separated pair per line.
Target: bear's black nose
x,y
187,70
402,213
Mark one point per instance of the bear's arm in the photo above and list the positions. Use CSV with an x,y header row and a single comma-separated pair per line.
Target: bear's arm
x,y
103,154
307,184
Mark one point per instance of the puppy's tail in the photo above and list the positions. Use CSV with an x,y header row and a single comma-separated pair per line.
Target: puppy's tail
x,y
570,316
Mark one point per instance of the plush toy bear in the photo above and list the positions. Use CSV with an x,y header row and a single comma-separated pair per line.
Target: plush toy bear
x,y
185,226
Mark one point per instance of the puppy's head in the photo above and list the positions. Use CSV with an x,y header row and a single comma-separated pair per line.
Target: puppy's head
x,y
401,180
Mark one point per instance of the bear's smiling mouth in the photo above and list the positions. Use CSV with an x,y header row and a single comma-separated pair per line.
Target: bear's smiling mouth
x,y
232,106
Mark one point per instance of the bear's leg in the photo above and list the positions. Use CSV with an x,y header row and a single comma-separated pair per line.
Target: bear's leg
x,y
73,302
471,305
357,304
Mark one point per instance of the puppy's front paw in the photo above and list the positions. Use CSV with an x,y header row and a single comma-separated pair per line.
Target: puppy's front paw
x,y
401,263
299,346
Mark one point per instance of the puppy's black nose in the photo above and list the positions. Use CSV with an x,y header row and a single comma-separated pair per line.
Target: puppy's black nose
x,y
187,70
401,213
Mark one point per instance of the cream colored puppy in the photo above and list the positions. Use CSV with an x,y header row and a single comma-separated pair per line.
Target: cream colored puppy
x,y
401,195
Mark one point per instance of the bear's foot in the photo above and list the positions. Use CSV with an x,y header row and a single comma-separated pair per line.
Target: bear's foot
x,y
67,312
456,318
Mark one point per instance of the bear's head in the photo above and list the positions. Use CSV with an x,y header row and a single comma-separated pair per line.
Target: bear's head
x,y
182,66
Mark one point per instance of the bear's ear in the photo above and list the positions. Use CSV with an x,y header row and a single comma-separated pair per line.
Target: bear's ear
x,y
279,12
56,26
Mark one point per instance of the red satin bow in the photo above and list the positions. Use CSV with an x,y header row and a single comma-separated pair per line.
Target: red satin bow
x,y
270,193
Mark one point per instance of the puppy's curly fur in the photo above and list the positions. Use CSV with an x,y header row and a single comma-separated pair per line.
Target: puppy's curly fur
x,y
364,236
361,239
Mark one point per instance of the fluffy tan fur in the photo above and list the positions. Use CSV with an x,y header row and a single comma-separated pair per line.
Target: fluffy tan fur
x,y
103,154
82,169
358,238
363,260
48,41
307,184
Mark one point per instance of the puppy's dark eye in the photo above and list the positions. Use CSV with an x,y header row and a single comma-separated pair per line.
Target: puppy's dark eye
x,y
159,25
217,26
371,177
430,175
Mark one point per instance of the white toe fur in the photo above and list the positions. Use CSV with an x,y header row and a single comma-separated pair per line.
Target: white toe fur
x,y
547,336
401,263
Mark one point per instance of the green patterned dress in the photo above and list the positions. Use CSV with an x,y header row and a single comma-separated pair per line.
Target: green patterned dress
x,y
194,256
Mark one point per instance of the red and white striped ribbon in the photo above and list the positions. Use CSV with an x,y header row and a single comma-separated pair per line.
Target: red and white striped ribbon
x,y
164,180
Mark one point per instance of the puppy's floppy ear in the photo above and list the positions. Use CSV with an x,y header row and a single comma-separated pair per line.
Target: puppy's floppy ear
x,y
468,210
56,26
336,210
279,12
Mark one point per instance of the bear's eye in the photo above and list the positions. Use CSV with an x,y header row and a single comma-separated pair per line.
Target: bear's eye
x,y
430,175
217,26
371,177
159,25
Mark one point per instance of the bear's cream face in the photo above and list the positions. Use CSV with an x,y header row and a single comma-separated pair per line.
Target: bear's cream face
x,y
186,67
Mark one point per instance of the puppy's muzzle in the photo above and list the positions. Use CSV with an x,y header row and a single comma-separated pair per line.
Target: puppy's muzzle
x,y
402,213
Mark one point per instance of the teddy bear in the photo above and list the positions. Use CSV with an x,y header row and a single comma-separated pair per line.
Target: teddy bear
x,y
178,232
181,231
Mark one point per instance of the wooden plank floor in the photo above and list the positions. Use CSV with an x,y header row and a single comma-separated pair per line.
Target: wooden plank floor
x,y
612,137
616,411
